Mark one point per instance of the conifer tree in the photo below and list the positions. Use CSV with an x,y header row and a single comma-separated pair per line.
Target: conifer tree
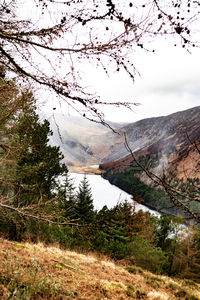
x,y
39,164
67,198
84,202
29,166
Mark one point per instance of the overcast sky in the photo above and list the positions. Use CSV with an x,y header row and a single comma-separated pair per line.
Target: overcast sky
x,y
169,82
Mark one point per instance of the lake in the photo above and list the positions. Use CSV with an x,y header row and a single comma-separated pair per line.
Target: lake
x,y
105,193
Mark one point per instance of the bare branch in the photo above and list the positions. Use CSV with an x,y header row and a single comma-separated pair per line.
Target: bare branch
x,y
23,213
172,193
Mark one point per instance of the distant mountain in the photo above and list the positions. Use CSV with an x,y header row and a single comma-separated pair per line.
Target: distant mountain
x,y
168,141
163,141
168,144
81,141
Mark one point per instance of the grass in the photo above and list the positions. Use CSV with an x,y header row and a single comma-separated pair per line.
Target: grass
x,y
34,271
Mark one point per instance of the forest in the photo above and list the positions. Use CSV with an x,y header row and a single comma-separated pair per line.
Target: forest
x,y
154,196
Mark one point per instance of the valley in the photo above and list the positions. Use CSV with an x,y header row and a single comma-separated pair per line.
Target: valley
x,y
166,147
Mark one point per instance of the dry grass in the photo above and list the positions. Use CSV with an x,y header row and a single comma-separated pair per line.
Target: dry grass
x,y
33,271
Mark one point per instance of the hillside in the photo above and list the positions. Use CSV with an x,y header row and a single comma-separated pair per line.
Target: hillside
x,y
168,145
34,271
81,141
169,148
165,142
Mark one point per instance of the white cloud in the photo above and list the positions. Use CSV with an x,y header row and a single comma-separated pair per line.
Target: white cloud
x,y
169,82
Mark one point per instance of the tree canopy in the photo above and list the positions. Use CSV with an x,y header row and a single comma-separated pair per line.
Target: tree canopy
x,y
29,166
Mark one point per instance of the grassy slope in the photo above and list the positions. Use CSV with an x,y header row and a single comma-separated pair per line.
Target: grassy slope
x,y
33,271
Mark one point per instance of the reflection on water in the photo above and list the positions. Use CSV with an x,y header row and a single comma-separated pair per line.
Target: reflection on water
x,y
105,193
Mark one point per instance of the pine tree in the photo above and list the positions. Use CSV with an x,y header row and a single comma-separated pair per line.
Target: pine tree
x,y
84,202
38,164
30,168
67,198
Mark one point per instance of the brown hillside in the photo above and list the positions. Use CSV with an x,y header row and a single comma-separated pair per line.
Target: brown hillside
x,y
33,271
171,143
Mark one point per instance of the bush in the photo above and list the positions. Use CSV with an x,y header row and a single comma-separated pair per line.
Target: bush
x,y
146,256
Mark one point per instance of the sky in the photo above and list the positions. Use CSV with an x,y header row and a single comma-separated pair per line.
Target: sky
x,y
169,81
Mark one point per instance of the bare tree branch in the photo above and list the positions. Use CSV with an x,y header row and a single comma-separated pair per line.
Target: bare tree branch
x,y
22,212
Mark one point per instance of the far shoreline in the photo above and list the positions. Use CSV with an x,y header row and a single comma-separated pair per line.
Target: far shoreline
x,y
92,169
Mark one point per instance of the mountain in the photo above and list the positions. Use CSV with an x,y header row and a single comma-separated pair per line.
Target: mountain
x,y
167,145
163,142
80,140
169,148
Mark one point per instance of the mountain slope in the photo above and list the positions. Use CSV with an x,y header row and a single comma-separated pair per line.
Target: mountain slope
x,y
33,271
165,142
78,138
169,141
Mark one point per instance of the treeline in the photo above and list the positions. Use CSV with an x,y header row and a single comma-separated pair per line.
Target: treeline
x,y
155,198
39,202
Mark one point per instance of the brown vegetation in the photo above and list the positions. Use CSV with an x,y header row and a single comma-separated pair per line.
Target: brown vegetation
x,y
35,271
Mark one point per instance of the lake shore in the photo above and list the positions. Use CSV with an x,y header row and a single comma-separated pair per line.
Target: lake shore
x,y
105,193
93,170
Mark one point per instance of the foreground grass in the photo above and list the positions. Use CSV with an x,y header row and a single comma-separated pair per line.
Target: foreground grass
x,y
33,271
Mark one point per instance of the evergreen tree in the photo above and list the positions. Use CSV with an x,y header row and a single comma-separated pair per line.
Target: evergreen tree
x,y
67,198
84,202
30,167
38,164
11,102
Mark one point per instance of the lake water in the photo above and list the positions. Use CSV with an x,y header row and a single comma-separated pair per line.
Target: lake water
x,y
105,193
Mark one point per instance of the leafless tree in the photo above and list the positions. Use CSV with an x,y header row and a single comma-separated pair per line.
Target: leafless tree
x,y
50,42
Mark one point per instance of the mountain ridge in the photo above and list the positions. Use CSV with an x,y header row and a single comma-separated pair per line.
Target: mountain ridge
x,y
169,139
